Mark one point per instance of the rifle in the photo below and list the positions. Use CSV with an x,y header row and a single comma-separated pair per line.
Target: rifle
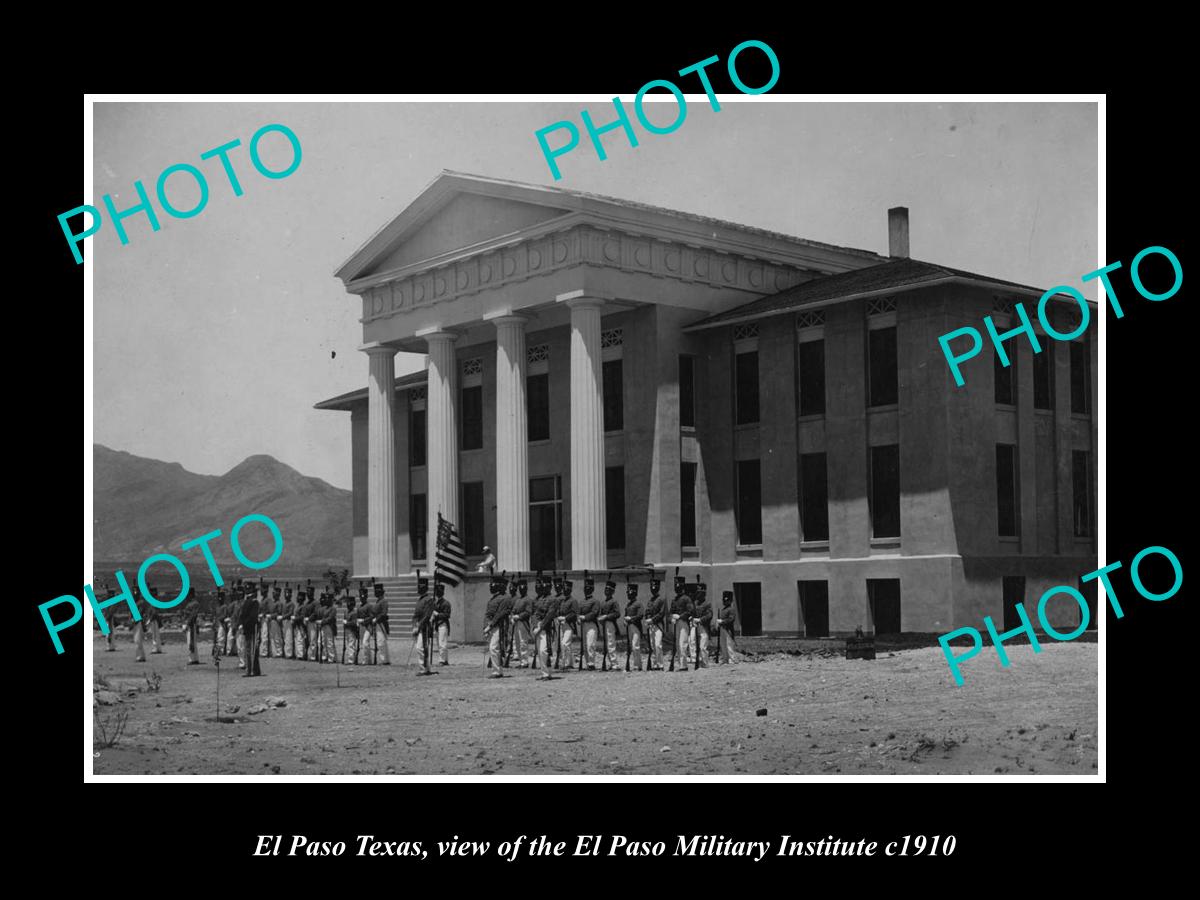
x,y
346,622
604,635
628,644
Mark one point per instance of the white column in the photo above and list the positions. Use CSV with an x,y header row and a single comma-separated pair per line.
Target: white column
x,y
381,460
512,446
588,535
441,456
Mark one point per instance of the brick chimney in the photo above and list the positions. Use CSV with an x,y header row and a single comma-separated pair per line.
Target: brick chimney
x,y
898,232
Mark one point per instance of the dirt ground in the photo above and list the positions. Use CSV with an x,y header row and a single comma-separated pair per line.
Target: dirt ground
x,y
899,714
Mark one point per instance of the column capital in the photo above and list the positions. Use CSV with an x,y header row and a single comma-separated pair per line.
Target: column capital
x,y
436,333
580,300
378,349
507,318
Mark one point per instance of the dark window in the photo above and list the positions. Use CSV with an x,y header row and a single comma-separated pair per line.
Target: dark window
x,y
749,507
747,600
884,390
687,504
1081,490
687,391
1014,593
1081,382
537,395
1008,504
885,491
416,524
812,378
814,498
1005,377
545,522
884,597
614,402
614,507
814,608
472,517
472,418
1043,377
416,438
746,385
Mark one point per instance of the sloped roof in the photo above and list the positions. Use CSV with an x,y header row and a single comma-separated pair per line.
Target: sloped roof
x,y
893,276
347,401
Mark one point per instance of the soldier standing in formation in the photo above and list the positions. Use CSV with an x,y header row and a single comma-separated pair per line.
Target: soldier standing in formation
x,y
139,626
109,647
521,614
545,611
653,618
422,616
494,617
441,622
610,611
633,628
589,610
725,622
681,615
702,617
328,618
352,630
312,616
275,622
287,619
379,627
568,623
248,618
191,609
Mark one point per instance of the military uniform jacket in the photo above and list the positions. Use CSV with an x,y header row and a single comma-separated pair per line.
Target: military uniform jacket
x,y
523,608
248,614
441,610
727,617
682,606
540,606
422,610
495,610
656,608
287,608
328,617
634,610
589,609
569,610
550,613
610,608
379,612
703,613
353,614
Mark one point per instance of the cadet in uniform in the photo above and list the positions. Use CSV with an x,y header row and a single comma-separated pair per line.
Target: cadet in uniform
x,y
379,626
441,622
568,618
702,617
153,620
589,609
287,619
312,615
493,629
545,611
633,627
422,615
139,627
352,630
275,623
681,616
112,626
522,611
191,609
329,627
725,622
248,617
653,618
610,611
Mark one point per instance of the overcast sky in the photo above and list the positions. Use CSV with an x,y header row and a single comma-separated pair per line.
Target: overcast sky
x,y
215,336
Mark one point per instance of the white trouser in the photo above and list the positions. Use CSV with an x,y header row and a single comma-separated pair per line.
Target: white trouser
x,y
155,637
276,637
330,643
701,646
590,633
725,644
566,645
610,630
189,635
240,642
543,651
139,646
682,643
351,639
289,638
656,645
443,641
418,650
633,634
379,646
494,648
523,641
312,642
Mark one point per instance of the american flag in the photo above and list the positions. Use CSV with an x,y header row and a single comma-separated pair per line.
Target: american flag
x,y
450,562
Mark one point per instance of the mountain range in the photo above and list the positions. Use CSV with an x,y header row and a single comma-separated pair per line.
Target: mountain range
x,y
144,506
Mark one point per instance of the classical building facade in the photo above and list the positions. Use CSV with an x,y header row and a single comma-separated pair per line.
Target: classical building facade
x,y
614,385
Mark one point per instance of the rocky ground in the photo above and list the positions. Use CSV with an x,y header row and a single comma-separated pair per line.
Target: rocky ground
x,y
899,714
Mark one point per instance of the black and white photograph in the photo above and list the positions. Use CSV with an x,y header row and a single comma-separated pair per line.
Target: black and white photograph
x,y
525,438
